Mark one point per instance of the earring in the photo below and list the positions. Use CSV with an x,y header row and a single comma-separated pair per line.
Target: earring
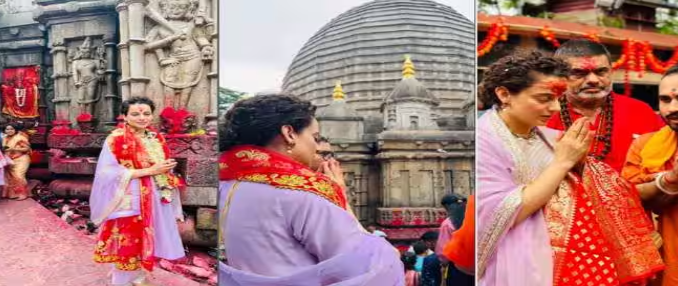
x,y
290,146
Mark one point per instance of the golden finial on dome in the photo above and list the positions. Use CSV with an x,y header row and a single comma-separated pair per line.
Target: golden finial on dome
x,y
338,93
408,67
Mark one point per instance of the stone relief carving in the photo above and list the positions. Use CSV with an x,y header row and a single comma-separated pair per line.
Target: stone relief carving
x,y
181,45
88,67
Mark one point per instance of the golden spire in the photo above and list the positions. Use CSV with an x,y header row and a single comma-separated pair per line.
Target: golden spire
x,y
408,67
338,93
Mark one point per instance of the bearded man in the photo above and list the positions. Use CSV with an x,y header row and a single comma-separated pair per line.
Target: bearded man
x,y
651,165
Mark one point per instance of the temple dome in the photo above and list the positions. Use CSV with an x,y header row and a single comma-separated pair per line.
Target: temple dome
x,y
364,47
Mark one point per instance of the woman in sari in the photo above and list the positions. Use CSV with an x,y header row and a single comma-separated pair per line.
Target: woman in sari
x,y
18,149
547,213
281,223
135,197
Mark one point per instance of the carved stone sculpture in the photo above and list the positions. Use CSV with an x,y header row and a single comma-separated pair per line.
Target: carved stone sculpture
x,y
88,71
181,47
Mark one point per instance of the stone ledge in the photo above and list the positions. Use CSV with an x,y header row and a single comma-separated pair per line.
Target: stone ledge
x,y
74,142
399,217
200,196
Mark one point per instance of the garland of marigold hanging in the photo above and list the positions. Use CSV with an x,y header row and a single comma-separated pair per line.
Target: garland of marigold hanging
x,y
548,35
636,56
497,32
639,57
592,36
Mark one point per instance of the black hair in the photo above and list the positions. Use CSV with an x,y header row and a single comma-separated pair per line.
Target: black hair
x,y
16,125
430,235
517,72
455,205
419,247
124,108
409,259
671,71
258,120
582,48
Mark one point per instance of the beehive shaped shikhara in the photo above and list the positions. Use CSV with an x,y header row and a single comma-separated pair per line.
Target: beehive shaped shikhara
x,y
364,47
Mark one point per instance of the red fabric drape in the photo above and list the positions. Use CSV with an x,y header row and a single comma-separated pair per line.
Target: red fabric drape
x,y
16,82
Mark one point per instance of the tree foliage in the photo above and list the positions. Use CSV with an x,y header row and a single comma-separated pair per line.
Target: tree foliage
x,y
227,97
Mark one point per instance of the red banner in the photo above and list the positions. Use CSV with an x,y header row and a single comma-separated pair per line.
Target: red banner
x,y
20,91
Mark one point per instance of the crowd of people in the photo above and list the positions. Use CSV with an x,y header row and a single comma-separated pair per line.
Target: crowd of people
x,y
433,260
565,166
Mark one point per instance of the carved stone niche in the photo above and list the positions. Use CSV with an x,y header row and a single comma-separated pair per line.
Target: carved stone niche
x,y
179,52
83,53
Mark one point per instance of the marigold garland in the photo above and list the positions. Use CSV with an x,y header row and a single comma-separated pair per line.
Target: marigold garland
x,y
636,55
497,32
548,35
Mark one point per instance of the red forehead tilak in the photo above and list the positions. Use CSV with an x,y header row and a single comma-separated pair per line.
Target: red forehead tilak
x,y
588,63
138,108
557,87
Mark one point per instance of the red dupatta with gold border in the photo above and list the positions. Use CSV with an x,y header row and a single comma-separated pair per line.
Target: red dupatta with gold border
x,y
120,238
599,231
260,165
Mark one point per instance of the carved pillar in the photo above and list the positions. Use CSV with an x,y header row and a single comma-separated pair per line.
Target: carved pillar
x,y
136,45
62,100
42,95
214,74
110,94
123,47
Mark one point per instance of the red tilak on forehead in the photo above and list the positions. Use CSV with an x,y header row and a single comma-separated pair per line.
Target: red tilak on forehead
x,y
558,87
673,92
137,108
588,63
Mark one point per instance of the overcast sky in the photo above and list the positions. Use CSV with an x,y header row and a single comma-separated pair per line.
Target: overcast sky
x,y
258,39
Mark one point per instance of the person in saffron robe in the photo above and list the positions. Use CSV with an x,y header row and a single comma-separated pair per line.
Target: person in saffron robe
x,y
651,164
17,147
460,249
548,214
590,95
135,197
282,223
456,206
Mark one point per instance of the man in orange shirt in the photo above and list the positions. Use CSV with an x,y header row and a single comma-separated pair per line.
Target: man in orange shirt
x,y
617,119
651,165
460,250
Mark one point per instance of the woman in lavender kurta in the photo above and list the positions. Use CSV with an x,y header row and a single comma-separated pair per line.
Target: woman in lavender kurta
x,y
281,223
135,198
518,172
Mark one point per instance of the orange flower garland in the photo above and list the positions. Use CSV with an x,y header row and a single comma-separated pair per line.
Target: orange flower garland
x,y
592,36
636,56
548,35
497,32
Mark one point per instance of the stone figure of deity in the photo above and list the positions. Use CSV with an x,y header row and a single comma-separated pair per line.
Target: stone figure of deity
x,y
88,71
181,48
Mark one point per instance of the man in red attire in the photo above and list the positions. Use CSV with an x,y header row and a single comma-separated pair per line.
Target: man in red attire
x,y
617,119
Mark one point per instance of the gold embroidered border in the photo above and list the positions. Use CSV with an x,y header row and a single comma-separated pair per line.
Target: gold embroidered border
x,y
502,222
134,264
559,214
502,219
297,183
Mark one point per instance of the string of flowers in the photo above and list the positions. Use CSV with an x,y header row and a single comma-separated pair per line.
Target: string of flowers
x,y
548,35
592,36
497,32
